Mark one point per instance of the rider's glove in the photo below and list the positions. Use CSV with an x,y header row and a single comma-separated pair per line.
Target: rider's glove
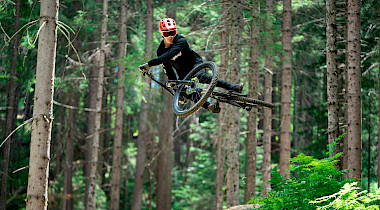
x,y
144,68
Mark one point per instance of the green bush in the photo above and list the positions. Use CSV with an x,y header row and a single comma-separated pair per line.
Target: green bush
x,y
311,179
349,198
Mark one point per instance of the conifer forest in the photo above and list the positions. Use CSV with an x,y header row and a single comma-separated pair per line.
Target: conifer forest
x,y
82,128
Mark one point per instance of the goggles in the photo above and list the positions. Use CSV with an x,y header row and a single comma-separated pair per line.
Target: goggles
x,y
169,33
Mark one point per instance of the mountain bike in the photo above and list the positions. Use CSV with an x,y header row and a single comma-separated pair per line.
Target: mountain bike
x,y
191,92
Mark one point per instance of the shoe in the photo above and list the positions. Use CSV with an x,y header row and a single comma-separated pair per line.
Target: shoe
x,y
182,100
214,108
238,87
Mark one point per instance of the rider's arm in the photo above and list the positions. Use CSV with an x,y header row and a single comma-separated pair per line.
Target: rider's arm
x,y
180,45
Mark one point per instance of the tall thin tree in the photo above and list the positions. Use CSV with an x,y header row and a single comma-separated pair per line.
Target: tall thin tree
x,y
165,144
236,19
91,180
251,141
267,136
354,111
91,99
164,159
144,131
117,152
223,115
286,88
12,107
37,196
332,75
69,153
378,137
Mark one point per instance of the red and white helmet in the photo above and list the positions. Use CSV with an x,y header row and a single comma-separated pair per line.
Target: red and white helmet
x,y
167,24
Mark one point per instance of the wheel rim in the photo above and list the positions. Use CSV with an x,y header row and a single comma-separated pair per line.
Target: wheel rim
x,y
197,96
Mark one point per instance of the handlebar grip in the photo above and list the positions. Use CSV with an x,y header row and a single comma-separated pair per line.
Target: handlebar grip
x,y
143,71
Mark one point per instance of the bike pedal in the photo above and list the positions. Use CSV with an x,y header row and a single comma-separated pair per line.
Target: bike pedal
x,y
182,101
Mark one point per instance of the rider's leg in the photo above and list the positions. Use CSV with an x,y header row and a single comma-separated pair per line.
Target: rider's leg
x,y
169,71
213,108
206,78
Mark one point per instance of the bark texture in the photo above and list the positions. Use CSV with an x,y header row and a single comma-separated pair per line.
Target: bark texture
x,y
286,88
378,138
251,141
144,131
69,156
43,108
354,108
223,115
332,76
91,179
165,148
234,118
117,152
267,136
165,144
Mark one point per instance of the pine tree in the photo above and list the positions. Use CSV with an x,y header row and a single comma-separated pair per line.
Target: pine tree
x,y
91,178
251,141
267,136
286,94
223,115
37,196
117,150
332,74
354,112
144,131
236,19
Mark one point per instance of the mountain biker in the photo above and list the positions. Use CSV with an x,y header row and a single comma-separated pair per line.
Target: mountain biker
x,y
176,56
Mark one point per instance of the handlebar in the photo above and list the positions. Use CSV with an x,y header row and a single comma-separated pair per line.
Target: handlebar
x,y
146,72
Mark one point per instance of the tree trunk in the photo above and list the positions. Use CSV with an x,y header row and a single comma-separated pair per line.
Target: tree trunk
x,y
144,131
116,158
286,89
332,76
251,141
91,180
12,111
165,146
68,172
345,140
234,118
171,9
43,108
266,167
378,138
354,111
223,115
92,92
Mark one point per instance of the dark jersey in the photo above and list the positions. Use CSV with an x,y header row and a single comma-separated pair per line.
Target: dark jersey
x,y
178,56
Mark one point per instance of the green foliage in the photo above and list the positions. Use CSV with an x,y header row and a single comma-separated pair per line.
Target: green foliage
x,y
194,187
349,198
56,192
311,179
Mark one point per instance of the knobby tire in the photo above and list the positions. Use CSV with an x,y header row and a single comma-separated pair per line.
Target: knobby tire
x,y
184,113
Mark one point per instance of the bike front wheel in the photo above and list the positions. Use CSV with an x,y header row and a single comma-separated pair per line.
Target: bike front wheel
x,y
188,99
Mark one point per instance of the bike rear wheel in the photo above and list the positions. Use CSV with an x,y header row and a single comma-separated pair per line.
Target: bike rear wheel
x,y
188,100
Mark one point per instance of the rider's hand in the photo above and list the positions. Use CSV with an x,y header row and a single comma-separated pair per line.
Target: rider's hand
x,y
144,68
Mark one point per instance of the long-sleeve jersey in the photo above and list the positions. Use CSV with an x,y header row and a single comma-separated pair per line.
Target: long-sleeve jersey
x,y
178,55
